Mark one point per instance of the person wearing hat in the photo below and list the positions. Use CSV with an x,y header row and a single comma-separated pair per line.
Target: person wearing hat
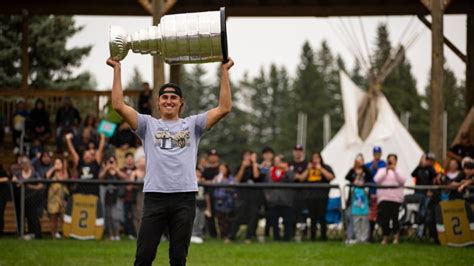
x,y
374,166
425,174
298,166
171,146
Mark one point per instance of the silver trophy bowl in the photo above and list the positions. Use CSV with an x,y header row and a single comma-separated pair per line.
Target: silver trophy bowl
x,y
187,38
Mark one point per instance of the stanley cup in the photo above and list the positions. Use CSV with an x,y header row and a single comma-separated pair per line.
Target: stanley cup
x,y
180,39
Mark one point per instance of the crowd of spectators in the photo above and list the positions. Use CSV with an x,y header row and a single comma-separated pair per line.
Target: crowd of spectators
x,y
81,152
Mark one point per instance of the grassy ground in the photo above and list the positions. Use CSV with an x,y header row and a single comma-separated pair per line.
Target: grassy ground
x,y
95,253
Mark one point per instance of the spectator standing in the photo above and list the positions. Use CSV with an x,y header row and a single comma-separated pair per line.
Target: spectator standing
x,y
357,205
248,200
390,199
298,166
139,175
111,172
67,121
374,166
129,198
317,200
453,177
87,165
144,99
39,127
200,219
280,201
264,168
33,195
57,193
43,164
210,170
425,174
223,200
468,180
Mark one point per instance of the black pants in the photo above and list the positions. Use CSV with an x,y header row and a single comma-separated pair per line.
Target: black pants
x,y
317,212
4,197
129,217
33,211
174,211
246,212
387,211
286,213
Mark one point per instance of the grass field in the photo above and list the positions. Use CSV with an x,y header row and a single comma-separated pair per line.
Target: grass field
x,y
95,253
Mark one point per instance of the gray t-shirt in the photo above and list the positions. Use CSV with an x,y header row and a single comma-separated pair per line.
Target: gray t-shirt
x,y
171,150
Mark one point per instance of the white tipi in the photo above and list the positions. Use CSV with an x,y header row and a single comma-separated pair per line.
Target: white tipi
x,y
387,132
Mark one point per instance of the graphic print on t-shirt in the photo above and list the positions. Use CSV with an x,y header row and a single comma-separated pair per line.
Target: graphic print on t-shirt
x,y
167,140
86,173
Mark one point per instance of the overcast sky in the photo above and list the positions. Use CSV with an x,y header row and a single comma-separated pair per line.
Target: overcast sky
x,y
257,42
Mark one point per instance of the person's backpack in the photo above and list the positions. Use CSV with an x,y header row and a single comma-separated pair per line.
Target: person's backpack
x,y
360,202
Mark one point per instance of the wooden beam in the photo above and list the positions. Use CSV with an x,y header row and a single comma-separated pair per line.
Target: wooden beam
x,y
147,6
168,6
470,64
25,58
446,41
158,65
437,71
245,9
175,72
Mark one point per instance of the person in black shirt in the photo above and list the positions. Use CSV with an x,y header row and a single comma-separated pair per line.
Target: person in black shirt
x,y
39,125
425,174
317,200
248,200
88,166
298,166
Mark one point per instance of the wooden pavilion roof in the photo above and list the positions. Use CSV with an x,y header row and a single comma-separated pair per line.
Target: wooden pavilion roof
x,y
235,8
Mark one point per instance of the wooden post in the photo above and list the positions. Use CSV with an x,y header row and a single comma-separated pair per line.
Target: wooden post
x,y
470,64
175,71
437,103
158,65
25,60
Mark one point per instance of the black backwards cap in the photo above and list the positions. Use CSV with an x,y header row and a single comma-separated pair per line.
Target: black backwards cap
x,y
175,89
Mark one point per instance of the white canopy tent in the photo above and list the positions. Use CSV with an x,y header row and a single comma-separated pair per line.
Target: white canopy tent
x,y
387,132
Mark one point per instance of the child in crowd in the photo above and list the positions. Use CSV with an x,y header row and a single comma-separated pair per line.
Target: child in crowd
x,y
56,195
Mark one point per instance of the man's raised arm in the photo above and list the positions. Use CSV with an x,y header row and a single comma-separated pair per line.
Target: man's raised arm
x,y
225,97
128,113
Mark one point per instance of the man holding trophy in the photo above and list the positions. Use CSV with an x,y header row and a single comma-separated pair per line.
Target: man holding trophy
x,y
171,142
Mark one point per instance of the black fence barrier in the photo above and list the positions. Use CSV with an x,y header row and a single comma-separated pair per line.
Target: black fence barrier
x,y
32,202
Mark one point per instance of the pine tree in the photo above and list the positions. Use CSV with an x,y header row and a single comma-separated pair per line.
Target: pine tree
x,y
136,82
50,63
399,87
453,96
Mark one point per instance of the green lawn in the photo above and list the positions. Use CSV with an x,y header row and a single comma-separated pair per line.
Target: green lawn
x,y
95,253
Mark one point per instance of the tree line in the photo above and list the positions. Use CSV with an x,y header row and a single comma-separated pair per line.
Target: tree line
x,y
266,104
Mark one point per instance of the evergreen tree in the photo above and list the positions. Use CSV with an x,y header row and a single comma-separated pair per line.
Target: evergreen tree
x,y
309,97
50,63
453,97
399,87
136,82
358,76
